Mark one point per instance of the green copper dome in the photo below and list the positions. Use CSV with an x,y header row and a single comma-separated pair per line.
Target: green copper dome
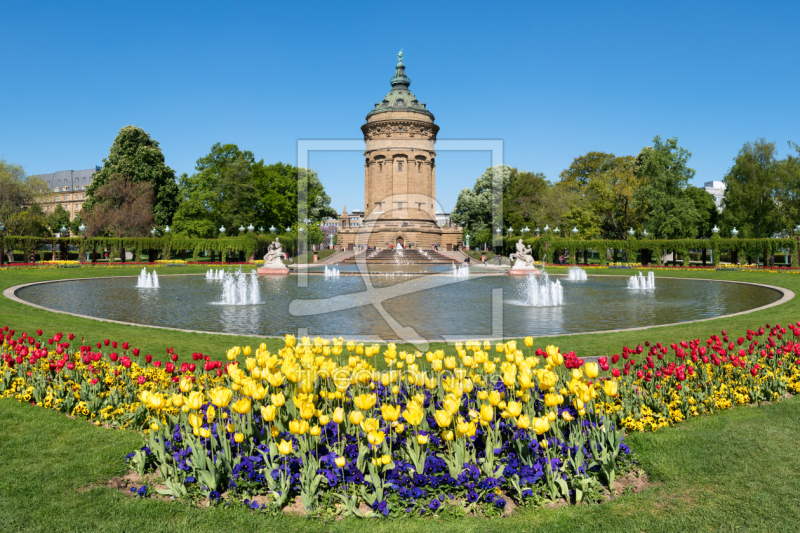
x,y
400,98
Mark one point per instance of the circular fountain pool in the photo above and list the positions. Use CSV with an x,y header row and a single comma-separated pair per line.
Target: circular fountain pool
x,y
436,307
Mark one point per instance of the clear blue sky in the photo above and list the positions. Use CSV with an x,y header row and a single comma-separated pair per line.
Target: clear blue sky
x,y
552,80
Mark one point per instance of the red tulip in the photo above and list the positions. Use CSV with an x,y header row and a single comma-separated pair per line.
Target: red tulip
x,y
136,352
39,332
148,358
114,345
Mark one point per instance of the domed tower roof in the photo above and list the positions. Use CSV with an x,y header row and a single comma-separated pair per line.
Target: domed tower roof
x,y
400,98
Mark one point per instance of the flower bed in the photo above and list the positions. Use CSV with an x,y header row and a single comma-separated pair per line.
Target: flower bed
x,y
76,264
465,431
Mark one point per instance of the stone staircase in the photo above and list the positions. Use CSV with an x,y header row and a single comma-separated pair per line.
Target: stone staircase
x,y
402,257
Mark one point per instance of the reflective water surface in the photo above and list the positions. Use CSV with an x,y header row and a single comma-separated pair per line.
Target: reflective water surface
x,y
460,307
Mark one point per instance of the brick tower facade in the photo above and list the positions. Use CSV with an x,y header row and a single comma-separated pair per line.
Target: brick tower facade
x,y
400,175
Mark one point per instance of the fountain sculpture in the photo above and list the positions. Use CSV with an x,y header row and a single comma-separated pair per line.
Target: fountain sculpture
x,y
522,261
273,260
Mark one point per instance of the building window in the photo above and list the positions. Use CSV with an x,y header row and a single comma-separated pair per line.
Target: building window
x,y
399,165
399,205
56,189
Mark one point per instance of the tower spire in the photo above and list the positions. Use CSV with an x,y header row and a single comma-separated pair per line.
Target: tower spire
x,y
400,77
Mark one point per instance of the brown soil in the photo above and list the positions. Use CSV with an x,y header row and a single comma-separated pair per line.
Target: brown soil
x,y
295,507
636,481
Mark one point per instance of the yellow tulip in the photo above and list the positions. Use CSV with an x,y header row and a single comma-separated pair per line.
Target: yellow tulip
x,y
340,462
285,447
314,431
241,406
338,415
185,385
448,435
323,420
551,416
610,388
306,410
195,421
278,399
591,370
230,428
246,351
390,413
494,398
566,416
523,422
422,440
365,401
238,437
528,341
443,418
355,417
298,427
399,428
413,414
220,396
205,433
451,404
370,424
541,425
487,413
268,412
376,437
210,413
514,408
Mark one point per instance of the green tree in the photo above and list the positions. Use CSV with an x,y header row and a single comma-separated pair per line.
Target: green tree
x,y
476,208
20,213
607,183
58,218
668,211
231,189
136,155
123,208
706,209
752,186
522,198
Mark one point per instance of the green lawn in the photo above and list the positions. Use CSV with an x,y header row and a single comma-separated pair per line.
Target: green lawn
x,y
155,341
733,471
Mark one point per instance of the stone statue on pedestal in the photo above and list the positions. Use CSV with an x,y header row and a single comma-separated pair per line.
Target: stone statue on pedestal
x,y
274,257
523,258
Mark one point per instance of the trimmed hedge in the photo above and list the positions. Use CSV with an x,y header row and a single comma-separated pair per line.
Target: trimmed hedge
x,y
544,247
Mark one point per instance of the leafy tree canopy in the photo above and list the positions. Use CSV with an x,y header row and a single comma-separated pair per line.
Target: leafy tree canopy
x,y
667,209
136,155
